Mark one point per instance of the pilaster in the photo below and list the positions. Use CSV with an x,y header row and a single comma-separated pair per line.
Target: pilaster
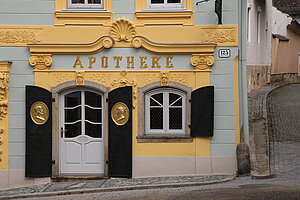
x,y
4,83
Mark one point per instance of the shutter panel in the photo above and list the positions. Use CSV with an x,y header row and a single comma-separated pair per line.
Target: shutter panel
x,y
120,136
39,134
202,112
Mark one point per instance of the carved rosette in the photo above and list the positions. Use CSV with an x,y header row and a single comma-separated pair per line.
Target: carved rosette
x,y
202,61
125,81
164,78
79,77
122,30
41,61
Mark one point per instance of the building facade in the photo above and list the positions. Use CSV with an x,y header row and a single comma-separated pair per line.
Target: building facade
x,y
105,88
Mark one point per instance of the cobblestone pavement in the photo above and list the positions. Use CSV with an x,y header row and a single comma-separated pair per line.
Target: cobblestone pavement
x,y
284,130
115,184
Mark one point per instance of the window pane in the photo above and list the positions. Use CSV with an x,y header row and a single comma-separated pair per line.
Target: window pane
x,y
93,99
175,118
158,97
77,1
94,1
157,1
72,115
154,103
156,118
73,130
173,98
73,99
93,130
93,115
174,1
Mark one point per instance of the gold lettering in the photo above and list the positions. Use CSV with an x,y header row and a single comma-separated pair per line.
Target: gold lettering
x,y
143,62
169,63
92,60
117,59
78,62
130,61
155,63
104,61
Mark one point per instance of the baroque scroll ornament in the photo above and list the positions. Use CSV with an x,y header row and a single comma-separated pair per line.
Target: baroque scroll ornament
x,y
41,61
124,81
122,30
202,61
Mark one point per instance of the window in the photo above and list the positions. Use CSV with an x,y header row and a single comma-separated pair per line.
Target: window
x,y
165,4
83,114
155,12
165,111
83,12
85,4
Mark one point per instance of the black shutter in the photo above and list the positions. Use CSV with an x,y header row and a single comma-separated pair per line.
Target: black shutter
x,y
120,137
38,137
202,112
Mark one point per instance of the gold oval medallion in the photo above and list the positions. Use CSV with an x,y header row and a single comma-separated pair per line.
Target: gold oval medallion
x,y
39,113
120,113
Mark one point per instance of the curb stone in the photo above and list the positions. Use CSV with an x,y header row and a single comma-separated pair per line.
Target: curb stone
x,y
114,189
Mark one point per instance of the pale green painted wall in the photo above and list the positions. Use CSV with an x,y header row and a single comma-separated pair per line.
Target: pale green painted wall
x,y
21,74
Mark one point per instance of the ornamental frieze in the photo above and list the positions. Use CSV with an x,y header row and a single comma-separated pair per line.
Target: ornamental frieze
x,y
60,77
219,36
12,37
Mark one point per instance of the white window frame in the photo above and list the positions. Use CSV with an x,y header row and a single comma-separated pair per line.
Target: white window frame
x,y
85,5
165,130
165,5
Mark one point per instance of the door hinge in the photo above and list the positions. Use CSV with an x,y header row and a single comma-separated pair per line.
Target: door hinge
x,y
53,99
53,162
106,99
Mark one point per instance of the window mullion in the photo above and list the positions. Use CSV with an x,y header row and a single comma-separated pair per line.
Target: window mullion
x,y
82,113
166,111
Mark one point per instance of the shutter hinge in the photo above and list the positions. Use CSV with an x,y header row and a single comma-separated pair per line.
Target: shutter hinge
x,y
106,99
53,99
189,126
53,162
190,100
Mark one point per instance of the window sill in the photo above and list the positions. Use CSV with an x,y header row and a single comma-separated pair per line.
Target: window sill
x,y
83,17
164,16
164,139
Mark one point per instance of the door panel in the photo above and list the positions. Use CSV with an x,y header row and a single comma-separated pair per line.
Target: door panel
x,y
81,143
120,136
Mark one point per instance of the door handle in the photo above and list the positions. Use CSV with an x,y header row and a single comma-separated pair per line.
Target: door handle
x,y
62,130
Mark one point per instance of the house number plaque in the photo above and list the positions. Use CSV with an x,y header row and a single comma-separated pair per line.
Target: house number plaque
x,y
39,113
120,113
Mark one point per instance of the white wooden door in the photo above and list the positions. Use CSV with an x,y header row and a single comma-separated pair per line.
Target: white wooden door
x,y
81,132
